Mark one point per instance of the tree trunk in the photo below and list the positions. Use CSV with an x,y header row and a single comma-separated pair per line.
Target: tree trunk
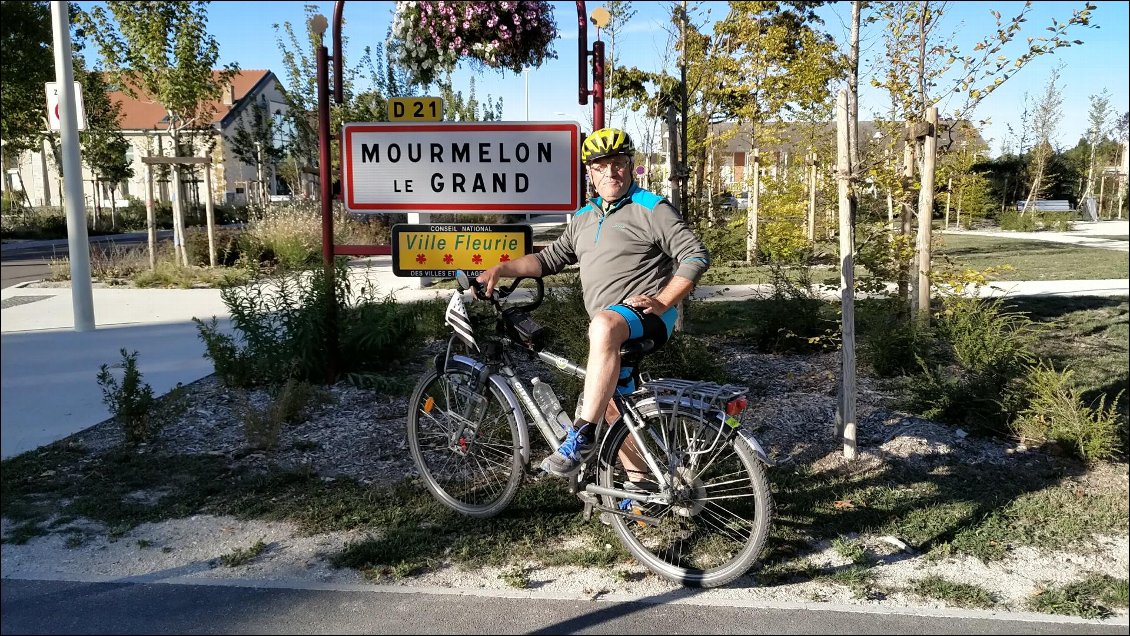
x,y
846,424
905,225
751,216
926,215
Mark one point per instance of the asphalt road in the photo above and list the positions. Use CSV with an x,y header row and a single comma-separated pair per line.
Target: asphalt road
x,y
67,607
20,263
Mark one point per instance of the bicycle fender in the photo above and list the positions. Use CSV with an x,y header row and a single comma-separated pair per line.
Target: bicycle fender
x,y
511,401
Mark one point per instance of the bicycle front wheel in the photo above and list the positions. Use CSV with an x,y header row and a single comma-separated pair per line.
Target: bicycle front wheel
x,y
718,518
465,443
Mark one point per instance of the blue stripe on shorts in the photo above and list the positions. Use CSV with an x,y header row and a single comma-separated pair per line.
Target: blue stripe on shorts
x,y
635,325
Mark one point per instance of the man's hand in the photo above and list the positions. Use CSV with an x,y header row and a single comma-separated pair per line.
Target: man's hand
x,y
489,279
649,304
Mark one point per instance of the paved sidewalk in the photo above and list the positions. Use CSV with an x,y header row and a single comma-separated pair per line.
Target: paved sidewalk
x,y
48,371
1083,234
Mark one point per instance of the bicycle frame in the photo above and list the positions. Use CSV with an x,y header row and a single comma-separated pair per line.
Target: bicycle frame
x,y
498,364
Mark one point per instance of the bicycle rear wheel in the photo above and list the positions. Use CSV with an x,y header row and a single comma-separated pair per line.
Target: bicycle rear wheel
x,y
464,443
718,518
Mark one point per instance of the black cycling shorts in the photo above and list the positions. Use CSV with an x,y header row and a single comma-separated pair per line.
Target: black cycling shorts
x,y
643,326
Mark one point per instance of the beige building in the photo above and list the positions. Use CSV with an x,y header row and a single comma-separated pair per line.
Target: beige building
x,y
144,123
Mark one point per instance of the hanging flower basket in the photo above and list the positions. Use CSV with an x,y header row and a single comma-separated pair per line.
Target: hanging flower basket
x,y
430,37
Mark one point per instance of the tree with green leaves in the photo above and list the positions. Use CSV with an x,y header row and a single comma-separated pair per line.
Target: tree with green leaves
x,y
1099,121
920,66
1045,120
103,144
256,147
163,50
25,65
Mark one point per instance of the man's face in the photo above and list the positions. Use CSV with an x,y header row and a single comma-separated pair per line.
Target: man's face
x,y
611,176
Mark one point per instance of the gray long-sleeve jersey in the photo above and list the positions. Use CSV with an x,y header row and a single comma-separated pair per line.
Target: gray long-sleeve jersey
x,y
633,248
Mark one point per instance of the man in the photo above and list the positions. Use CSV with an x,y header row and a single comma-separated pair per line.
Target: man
x,y
637,259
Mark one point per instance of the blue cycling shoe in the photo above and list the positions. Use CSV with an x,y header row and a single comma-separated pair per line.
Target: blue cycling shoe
x,y
570,456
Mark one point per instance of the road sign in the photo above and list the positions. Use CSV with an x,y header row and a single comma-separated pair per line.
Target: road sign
x,y
439,250
507,167
415,109
54,116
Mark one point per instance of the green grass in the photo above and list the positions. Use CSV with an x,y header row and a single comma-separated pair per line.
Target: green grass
x,y
958,594
243,556
1034,259
1090,598
1112,237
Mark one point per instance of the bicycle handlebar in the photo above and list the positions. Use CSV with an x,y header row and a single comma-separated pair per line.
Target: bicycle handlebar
x,y
501,293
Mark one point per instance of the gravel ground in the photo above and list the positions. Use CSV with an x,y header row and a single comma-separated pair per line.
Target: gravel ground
x,y
360,434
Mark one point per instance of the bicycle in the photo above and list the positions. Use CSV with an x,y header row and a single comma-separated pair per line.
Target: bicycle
x,y
699,516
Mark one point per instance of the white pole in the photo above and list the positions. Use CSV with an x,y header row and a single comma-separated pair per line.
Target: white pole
x,y
82,300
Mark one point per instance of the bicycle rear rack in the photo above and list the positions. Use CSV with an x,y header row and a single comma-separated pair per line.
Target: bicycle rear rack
x,y
692,396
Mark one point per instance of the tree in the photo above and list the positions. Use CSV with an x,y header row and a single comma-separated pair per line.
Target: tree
x,y
257,146
103,144
620,12
163,50
1045,120
26,64
917,61
1098,116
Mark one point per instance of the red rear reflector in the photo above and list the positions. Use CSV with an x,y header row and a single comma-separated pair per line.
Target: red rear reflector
x,y
733,407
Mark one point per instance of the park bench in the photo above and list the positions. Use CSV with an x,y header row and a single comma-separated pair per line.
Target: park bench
x,y
1047,205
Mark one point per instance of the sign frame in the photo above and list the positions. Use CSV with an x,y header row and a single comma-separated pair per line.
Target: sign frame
x,y
453,228
500,205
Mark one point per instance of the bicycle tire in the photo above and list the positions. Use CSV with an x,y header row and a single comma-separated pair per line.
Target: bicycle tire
x,y
478,474
714,530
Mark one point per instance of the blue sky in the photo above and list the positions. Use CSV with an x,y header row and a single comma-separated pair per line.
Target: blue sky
x,y
244,31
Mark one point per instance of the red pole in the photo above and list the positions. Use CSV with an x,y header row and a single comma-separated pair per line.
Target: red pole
x,y
597,85
582,53
325,170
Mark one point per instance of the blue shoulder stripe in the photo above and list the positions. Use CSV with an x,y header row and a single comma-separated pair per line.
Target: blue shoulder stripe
x,y
645,198
583,210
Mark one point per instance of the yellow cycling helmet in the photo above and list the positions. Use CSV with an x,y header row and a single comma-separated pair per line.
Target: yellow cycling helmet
x,y
605,143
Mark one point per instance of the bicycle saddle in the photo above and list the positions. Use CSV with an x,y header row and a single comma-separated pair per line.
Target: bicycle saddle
x,y
637,347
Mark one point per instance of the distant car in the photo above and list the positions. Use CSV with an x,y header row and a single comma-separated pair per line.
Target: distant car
x,y
728,202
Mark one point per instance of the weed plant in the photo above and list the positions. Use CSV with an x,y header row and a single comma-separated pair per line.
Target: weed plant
x,y
132,403
287,405
1055,412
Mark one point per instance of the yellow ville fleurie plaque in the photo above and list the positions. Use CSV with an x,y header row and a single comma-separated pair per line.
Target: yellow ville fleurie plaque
x,y
439,250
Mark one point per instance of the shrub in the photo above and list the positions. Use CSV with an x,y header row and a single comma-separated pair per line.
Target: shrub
x,y
982,351
795,319
281,322
890,342
1014,220
1056,413
725,241
132,403
1057,221
227,242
